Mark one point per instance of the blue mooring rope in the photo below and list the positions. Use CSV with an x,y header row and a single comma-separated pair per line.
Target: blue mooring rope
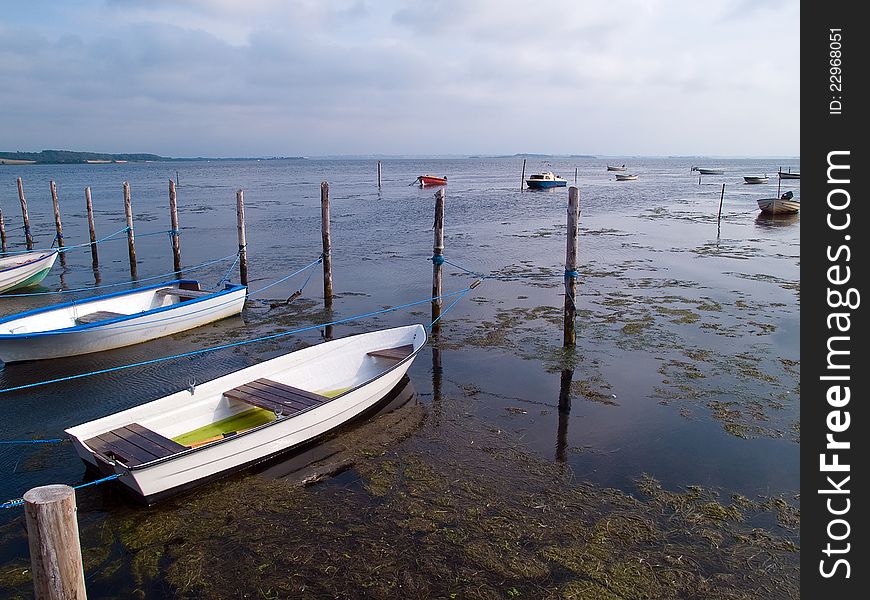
x,y
20,501
51,441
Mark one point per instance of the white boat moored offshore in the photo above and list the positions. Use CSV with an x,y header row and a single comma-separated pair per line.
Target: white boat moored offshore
x,y
707,171
756,179
115,320
192,436
25,269
626,177
785,204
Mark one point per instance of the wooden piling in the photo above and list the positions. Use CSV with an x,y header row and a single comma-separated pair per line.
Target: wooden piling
x,y
2,231
523,176
131,239
243,243
379,174
27,236
92,229
58,227
721,199
173,220
53,537
570,312
575,175
438,259
327,244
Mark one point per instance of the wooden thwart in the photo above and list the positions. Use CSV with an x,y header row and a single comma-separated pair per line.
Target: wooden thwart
x,y
100,315
278,397
397,353
133,445
182,293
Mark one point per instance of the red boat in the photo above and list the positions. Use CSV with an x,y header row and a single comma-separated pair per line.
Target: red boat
x,y
424,180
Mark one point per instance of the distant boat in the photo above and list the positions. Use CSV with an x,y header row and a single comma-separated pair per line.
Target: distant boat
x,y
790,175
545,180
425,180
250,415
754,179
626,177
784,205
611,168
706,171
26,269
114,320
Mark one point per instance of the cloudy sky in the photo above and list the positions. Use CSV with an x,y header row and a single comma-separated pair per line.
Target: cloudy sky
x,y
423,77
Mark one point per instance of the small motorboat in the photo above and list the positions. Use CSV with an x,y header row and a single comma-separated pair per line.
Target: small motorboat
x,y
545,180
708,171
754,179
115,320
626,177
26,269
612,168
789,175
219,426
425,180
784,205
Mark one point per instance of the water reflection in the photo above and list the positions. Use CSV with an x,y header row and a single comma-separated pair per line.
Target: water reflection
x,y
564,414
768,221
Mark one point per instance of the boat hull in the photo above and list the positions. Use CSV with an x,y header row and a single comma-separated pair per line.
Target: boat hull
x,y
25,270
119,332
711,171
198,465
778,206
626,177
609,168
537,184
789,175
427,180
756,179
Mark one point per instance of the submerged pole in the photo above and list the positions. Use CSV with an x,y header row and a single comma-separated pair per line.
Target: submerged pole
x,y
92,229
570,310
53,538
327,244
523,176
243,243
27,237
131,239
173,220
437,259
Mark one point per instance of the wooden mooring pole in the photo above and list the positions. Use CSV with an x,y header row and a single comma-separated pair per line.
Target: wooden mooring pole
x,y
243,243
131,239
437,260
173,220
58,227
575,175
523,176
53,537
570,312
2,231
92,229
721,199
379,174
327,244
27,236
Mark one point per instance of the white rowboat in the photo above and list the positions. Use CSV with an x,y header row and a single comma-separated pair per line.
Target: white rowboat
x,y
705,171
626,177
187,438
756,179
26,269
779,206
115,320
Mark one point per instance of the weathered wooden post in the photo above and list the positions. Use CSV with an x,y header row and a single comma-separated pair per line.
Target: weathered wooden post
x,y
131,240
575,175
379,174
523,176
53,537
58,227
327,244
2,231
173,220
243,243
28,238
437,259
92,229
570,312
721,199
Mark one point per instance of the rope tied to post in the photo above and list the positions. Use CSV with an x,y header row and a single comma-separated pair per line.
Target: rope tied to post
x,y
20,501
572,275
437,260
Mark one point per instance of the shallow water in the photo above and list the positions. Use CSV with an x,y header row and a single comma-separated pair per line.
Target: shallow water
x,y
687,362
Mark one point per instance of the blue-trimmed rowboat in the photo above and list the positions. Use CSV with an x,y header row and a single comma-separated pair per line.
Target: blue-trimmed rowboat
x,y
115,320
24,270
545,180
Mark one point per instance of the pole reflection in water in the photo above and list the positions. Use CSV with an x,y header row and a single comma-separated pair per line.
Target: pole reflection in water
x,y
437,370
564,413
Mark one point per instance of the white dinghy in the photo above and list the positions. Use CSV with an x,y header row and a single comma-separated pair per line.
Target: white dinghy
x,y
115,320
26,269
248,416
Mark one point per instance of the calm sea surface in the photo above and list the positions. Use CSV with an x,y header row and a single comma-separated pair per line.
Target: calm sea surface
x,y
687,363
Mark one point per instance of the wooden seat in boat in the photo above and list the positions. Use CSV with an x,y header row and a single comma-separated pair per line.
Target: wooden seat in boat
x,y
397,353
182,293
100,315
275,396
133,445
